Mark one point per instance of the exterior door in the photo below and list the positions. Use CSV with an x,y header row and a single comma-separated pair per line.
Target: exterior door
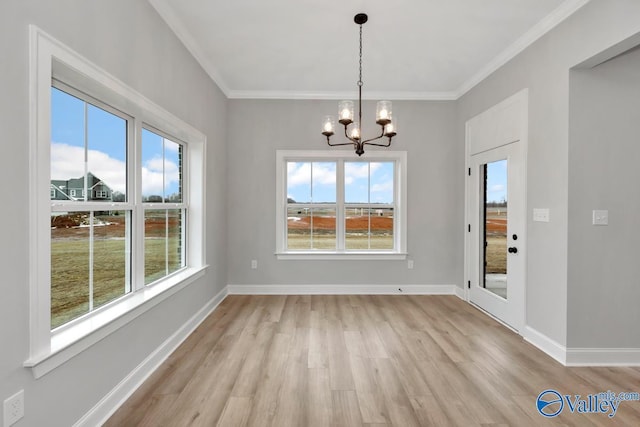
x,y
495,251
498,218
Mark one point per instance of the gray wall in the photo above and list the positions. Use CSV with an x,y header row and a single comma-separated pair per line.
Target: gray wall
x,y
543,68
604,150
129,40
257,128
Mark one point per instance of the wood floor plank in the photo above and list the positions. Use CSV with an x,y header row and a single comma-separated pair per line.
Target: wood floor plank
x,y
358,360
318,395
236,412
346,411
369,392
339,365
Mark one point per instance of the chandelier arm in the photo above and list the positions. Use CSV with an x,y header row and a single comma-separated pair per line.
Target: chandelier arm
x,y
366,141
341,143
388,144
353,140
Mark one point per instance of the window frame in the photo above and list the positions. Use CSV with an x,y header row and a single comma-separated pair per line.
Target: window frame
x,y
51,60
340,157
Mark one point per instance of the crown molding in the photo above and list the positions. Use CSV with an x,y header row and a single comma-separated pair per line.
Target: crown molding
x,y
169,17
322,95
562,12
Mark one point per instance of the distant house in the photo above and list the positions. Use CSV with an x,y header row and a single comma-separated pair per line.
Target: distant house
x,y
74,189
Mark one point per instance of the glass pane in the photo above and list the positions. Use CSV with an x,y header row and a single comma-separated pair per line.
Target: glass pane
x,y
356,228
381,226
381,182
86,141
163,243
155,245
67,146
324,229
111,256
299,182
323,179
175,259
106,156
69,266
356,182
495,227
173,171
299,228
162,169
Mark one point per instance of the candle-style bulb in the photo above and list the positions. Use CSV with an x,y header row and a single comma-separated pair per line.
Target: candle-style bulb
x,y
355,131
391,128
345,112
328,126
383,112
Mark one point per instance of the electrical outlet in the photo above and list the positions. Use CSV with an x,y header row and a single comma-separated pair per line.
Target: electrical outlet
x,y
14,408
254,264
410,264
600,217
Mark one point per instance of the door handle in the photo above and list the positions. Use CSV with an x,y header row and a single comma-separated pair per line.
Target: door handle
x,y
513,250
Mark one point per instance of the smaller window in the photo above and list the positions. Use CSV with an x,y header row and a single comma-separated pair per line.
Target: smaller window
x,y
332,204
165,212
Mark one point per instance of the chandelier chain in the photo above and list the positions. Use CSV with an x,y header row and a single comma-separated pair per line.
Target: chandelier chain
x,y
360,75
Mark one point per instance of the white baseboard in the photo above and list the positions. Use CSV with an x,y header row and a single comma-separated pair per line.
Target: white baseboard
x,y
101,412
460,293
603,357
342,289
546,344
582,356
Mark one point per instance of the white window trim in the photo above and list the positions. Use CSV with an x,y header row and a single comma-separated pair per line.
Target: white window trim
x,y
49,349
400,191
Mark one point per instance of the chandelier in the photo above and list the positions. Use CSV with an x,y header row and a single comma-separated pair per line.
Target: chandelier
x,y
346,114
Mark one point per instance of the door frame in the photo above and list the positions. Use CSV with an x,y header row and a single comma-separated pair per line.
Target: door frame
x,y
500,125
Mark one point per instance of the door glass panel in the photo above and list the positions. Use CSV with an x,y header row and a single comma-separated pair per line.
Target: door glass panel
x,y
494,220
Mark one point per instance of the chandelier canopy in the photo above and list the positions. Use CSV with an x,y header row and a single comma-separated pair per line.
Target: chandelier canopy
x,y
346,114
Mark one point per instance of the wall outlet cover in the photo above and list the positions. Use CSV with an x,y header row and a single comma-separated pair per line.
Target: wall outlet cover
x,y
13,408
600,217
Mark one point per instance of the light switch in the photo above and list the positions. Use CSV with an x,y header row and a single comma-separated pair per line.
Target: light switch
x,y
601,217
541,215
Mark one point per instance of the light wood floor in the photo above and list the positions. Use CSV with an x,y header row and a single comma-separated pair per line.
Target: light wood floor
x,y
362,360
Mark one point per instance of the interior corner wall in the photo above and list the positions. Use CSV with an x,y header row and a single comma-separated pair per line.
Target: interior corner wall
x,y
604,150
130,41
257,128
543,68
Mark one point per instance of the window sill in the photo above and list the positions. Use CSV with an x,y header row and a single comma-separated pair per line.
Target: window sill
x,y
344,256
73,339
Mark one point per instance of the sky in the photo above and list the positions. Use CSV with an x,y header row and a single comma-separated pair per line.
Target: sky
x,y
497,181
106,148
316,182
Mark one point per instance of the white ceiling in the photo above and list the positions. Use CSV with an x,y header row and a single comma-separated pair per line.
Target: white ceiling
x,y
413,49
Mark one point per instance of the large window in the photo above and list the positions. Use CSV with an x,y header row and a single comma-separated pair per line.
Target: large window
x,y
90,242
332,204
117,204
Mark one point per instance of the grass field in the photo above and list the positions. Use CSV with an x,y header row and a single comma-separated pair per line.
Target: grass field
x,y
496,248
362,232
70,259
